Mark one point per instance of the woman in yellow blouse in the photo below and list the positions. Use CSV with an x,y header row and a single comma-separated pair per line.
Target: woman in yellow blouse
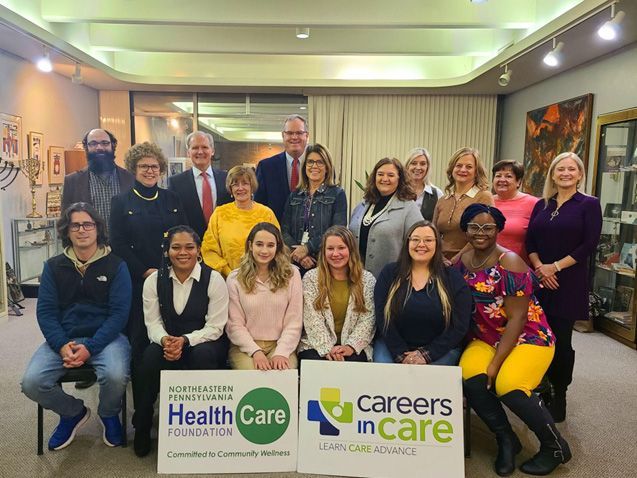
x,y
229,226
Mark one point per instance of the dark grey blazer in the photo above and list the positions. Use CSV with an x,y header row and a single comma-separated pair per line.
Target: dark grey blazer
x,y
183,185
76,186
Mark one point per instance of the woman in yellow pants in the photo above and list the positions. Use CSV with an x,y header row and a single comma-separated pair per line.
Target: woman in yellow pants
x,y
511,348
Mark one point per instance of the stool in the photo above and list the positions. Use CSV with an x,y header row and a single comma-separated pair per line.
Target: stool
x,y
81,374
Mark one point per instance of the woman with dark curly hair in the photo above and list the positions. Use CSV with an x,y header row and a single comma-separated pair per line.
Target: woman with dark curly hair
x,y
511,345
139,219
380,222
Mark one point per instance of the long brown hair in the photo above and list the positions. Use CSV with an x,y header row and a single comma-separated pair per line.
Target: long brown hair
x,y
403,191
280,267
355,273
400,288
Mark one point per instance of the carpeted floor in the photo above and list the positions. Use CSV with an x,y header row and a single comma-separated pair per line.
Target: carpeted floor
x,y
601,426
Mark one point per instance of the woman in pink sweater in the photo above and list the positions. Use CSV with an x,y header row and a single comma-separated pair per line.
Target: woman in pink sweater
x,y
265,313
515,205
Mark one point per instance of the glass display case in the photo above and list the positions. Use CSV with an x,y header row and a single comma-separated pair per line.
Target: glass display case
x,y
616,258
34,241
4,301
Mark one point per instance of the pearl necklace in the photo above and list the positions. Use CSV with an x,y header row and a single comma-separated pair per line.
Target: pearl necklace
x,y
369,218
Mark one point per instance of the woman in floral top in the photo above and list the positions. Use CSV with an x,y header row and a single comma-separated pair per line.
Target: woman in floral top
x,y
511,345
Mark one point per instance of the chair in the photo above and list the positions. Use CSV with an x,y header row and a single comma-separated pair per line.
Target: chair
x,y
80,374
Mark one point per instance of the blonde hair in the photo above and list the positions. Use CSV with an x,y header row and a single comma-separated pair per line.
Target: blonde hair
x,y
413,154
549,185
355,271
280,268
238,172
481,180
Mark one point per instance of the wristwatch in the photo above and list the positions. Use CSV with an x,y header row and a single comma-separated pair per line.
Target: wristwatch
x,y
186,342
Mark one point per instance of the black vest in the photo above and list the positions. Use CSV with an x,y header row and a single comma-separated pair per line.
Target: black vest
x,y
429,201
193,316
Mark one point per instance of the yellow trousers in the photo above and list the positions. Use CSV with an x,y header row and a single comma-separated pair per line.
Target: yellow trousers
x,y
242,361
522,370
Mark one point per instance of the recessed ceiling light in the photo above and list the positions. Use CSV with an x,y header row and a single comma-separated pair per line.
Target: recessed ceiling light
x,y
302,33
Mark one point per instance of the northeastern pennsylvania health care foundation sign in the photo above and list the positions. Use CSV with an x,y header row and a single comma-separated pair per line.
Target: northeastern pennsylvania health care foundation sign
x,y
227,421
381,420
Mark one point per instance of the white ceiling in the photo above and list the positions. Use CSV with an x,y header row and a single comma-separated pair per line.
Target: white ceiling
x,y
355,46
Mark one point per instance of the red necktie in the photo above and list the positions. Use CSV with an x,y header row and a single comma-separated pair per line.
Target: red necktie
x,y
294,177
207,203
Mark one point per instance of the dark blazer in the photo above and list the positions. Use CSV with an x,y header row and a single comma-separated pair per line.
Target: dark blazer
x,y
274,188
76,186
183,185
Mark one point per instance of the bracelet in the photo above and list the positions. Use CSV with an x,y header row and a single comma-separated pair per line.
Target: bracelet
x,y
258,350
557,266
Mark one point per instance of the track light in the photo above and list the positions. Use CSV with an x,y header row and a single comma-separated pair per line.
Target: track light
x,y
505,77
76,78
44,63
610,29
553,57
302,33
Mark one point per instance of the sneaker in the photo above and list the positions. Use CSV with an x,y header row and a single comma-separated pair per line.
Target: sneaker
x,y
112,435
64,433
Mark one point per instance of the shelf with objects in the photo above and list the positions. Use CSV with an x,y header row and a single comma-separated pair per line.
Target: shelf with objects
x,y
615,263
34,241
4,298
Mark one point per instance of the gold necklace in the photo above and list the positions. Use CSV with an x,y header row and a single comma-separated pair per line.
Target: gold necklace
x,y
479,266
145,198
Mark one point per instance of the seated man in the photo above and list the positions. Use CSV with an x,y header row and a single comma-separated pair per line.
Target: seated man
x,y
83,305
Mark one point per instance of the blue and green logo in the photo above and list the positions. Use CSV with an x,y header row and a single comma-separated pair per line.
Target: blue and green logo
x,y
330,401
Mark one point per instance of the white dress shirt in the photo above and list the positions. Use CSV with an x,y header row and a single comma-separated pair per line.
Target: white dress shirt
x,y
199,184
216,317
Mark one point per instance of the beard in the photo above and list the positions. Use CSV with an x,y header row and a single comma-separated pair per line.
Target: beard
x,y
101,162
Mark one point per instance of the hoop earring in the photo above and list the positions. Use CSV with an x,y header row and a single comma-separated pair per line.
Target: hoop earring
x,y
199,258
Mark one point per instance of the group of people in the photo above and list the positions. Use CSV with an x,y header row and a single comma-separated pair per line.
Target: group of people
x,y
261,270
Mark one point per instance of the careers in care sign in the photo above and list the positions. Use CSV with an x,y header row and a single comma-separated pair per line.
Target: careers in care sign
x,y
381,420
227,421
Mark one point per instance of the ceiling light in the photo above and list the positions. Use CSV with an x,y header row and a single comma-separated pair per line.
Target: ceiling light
x,y
76,78
553,57
610,29
478,1
302,33
505,77
44,63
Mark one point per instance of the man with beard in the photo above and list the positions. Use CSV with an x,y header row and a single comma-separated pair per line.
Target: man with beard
x,y
98,183
102,179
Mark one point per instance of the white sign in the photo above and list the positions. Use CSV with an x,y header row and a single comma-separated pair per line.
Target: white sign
x,y
227,421
381,420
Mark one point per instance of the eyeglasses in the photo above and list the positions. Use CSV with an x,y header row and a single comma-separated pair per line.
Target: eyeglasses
x,y
319,163
148,167
295,133
415,241
87,226
488,229
95,144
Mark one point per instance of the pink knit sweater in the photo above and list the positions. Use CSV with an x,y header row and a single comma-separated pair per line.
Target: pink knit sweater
x,y
265,315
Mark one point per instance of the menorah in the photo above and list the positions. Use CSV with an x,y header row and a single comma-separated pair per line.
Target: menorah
x,y
30,167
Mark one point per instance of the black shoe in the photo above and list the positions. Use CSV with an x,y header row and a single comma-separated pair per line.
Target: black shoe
x,y
142,443
85,384
508,446
548,458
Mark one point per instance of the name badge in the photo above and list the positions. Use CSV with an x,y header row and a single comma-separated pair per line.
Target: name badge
x,y
305,238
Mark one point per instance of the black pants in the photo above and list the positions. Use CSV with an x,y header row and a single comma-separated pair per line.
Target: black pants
x,y
205,356
560,372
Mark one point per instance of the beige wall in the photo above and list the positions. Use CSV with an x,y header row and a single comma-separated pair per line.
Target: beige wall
x,y
50,104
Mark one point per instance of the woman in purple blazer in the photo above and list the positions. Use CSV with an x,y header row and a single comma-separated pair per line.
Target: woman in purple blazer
x,y
563,233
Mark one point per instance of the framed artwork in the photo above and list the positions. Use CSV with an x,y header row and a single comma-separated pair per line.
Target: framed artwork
x,y
11,126
54,203
36,150
558,128
56,165
175,166
612,210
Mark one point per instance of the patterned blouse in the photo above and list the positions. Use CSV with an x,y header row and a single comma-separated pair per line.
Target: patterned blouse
x,y
489,287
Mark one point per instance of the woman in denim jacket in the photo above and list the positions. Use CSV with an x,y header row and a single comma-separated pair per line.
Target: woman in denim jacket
x,y
315,206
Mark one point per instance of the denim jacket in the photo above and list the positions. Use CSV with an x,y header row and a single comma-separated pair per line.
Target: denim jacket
x,y
328,208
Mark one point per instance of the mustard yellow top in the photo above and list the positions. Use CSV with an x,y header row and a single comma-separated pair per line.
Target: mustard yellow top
x,y
225,239
339,299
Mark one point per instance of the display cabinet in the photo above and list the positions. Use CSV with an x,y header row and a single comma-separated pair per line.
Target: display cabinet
x,y
615,184
4,301
34,241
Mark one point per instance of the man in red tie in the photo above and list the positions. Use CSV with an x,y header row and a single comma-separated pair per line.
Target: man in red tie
x,y
202,188
278,175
